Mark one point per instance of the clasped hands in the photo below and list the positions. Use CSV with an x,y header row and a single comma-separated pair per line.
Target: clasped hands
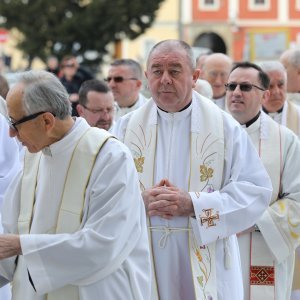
x,y
166,201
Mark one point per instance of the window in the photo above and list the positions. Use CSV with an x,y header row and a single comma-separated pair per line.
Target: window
x,y
208,5
298,5
258,5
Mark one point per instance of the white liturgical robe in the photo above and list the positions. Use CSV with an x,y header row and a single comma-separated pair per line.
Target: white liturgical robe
x,y
121,111
95,258
279,225
243,174
9,167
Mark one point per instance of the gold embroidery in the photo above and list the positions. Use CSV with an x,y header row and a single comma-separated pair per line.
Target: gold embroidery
x,y
206,173
209,217
139,163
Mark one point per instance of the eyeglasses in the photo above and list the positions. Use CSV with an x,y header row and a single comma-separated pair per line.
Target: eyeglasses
x,y
69,66
119,79
100,111
244,87
13,125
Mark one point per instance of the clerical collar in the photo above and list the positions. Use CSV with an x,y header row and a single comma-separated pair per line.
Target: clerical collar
x,y
130,106
278,111
178,111
249,123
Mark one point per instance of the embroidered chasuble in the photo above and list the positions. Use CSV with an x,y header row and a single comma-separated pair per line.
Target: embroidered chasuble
x,y
75,246
268,256
193,258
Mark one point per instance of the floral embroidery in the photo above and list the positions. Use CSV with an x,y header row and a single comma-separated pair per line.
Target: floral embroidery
x,y
139,163
206,173
205,264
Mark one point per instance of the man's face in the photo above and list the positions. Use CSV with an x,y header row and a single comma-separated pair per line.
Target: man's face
x,y
293,76
126,89
277,91
99,109
216,71
69,67
244,105
171,78
32,133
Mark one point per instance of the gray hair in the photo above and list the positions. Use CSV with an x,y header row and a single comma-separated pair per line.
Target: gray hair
x,y
174,44
43,91
204,88
294,57
273,65
134,66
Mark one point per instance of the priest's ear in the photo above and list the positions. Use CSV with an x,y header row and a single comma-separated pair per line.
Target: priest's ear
x,y
265,97
48,120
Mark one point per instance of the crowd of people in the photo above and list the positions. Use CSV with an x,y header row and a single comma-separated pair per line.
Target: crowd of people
x,y
193,193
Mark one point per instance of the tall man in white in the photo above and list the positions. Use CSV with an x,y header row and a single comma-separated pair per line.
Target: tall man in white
x,y
276,105
202,181
69,236
268,249
215,70
291,61
125,80
10,164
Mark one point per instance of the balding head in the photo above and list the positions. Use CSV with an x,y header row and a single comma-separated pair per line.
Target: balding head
x,y
216,70
291,61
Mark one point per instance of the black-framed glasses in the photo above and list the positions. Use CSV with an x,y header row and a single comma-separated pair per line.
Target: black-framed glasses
x,y
100,111
244,87
119,79
13,125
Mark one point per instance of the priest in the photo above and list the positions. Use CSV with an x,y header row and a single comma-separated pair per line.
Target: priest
x,y
201,178
268,247
71,230
10,165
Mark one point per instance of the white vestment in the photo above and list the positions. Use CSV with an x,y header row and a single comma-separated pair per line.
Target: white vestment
x,y
289,117
220,102
279,225
294,97
172,161
9,167
92,257
121,111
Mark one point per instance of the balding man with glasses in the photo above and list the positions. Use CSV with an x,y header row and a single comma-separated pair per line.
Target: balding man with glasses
x,y
268,248
125,80
71,232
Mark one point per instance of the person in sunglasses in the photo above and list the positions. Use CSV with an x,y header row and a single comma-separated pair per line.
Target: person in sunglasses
x,y
277,106
96,104
215,70
125,80
201,180
71,230
268,248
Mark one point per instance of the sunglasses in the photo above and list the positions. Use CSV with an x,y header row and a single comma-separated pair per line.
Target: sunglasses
x,y
13,125
119,79
69,66
244,87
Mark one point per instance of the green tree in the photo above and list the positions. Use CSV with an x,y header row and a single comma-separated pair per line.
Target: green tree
x,y
63,27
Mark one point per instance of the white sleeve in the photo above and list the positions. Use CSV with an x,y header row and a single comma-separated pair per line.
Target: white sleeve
x,y
113,222
279,224
244,196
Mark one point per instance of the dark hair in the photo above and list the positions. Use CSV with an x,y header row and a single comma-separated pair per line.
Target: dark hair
x,y
263,77
132,64
91,85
